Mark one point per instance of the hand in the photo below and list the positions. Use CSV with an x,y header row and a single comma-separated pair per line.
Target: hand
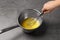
x,y
49,6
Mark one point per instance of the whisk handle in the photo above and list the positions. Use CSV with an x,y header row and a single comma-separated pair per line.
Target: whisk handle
x,y
41,13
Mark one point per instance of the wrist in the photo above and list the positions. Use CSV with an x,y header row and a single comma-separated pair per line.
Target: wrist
x,y
57,2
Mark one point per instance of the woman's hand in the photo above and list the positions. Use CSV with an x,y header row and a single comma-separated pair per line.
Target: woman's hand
x,y
49,6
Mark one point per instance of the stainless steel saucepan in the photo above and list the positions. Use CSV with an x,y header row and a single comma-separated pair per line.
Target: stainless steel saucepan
x,y
26,14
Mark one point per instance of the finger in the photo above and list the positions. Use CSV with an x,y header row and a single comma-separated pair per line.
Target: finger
x,y
48,11
44,10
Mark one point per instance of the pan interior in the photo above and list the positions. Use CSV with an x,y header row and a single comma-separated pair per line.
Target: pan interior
x,y
28,19
30,23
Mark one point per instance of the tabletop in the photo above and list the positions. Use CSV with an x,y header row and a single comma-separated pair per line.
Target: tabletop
x,y
9,12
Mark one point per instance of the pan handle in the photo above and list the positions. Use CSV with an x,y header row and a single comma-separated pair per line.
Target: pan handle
x,y
7,29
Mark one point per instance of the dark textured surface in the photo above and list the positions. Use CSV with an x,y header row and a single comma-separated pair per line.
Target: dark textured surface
x,y
9,11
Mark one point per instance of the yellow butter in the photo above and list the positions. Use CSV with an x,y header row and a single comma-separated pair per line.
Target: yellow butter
x,y
30,23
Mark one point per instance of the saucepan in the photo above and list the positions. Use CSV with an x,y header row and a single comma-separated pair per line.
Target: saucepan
x,y
28,13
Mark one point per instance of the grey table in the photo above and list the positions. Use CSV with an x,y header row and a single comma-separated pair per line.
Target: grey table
x,y
9,11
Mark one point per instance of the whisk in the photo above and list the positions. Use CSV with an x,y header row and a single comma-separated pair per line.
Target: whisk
x,y
32,20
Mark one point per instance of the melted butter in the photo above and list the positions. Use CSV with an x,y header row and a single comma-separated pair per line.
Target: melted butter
x,y
31,23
